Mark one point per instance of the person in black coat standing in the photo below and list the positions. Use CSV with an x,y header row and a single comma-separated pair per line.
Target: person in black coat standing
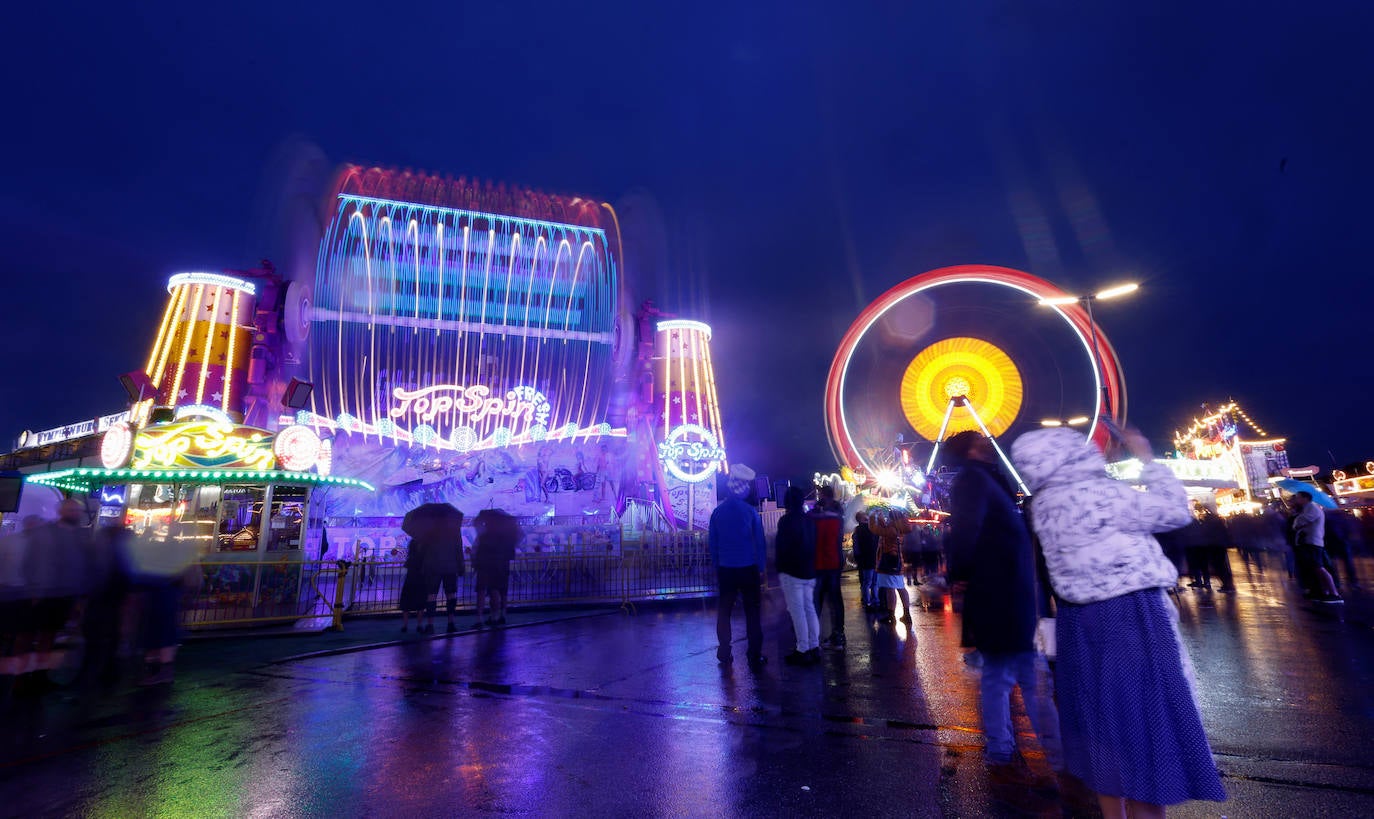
x,y
991,557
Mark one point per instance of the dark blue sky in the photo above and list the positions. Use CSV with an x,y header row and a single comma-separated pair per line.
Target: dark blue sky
x,y
805,158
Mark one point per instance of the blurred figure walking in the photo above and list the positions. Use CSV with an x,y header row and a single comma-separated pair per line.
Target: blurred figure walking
x,y
990,552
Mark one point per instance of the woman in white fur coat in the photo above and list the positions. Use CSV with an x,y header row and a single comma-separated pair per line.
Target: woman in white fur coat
x,y
1129,720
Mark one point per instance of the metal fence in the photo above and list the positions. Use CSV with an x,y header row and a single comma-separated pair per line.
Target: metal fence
x,y
649,566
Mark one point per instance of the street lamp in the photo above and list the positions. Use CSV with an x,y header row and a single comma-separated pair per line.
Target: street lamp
x,y
1102,295
1076,421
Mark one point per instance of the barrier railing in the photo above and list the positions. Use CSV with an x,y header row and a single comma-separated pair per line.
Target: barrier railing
x,y
649,566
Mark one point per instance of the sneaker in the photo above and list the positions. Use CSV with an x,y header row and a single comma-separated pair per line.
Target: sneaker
x,y
757,663
724,655
1329,598
1227,589
834,642
813,656
796,658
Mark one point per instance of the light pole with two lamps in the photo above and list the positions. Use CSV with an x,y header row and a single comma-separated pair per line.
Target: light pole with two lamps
x,y
1101,295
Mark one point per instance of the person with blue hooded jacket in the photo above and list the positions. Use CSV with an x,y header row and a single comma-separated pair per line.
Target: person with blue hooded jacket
x,y
738,553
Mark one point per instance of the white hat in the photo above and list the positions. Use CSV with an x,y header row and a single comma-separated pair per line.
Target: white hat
x,y
740,472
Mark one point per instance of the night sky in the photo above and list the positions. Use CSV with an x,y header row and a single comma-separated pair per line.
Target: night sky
x,y
804,158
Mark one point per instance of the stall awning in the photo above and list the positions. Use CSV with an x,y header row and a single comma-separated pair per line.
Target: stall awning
x,y
84,479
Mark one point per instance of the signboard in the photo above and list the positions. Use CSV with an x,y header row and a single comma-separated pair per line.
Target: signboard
x,y
203,445
691,453
464,409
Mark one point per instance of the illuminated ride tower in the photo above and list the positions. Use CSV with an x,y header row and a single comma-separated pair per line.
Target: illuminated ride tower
x,y
691,438
209,351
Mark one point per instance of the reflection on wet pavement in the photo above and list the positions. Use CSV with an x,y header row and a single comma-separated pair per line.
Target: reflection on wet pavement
x,y
620,714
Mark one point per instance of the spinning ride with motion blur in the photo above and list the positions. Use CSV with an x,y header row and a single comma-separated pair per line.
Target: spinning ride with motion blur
x,y
427,340
972,347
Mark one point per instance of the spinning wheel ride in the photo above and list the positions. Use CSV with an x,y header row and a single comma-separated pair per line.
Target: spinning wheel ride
x,y
962,348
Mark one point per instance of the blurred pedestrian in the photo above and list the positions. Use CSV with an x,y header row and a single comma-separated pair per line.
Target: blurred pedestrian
x,y
1216,543
1129,719
738,554
1340,535
795,550
890,527
16,605
1309,548
1195,548
865,546
56,572
827,517
162,570
103,618
498,533
991,555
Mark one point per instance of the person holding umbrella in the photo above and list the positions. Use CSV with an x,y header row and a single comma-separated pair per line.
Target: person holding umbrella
x,y
422,524
1309,546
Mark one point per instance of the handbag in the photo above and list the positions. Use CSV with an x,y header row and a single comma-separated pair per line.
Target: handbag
x,y
1044,637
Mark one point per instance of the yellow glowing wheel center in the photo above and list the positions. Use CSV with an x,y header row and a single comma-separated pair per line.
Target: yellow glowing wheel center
x,y
957,387
961,368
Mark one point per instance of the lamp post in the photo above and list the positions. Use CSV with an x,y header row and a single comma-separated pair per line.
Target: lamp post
x,y
1101,295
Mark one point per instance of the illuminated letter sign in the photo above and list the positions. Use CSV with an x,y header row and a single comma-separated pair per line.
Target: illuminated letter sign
x,y
519,409
203,444
691,453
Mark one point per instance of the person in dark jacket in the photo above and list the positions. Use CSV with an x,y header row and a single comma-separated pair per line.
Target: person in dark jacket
x,y
796,561
866,559
443,566
827,516
990,553
1216,542
739,556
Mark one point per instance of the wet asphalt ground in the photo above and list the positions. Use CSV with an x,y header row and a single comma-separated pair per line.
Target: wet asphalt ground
x,y
607,713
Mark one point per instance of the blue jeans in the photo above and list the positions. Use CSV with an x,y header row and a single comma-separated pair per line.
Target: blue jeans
x,y
868,587
1000,673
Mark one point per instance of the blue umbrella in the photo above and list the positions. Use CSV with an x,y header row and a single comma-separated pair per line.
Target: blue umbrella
x,y
1294,486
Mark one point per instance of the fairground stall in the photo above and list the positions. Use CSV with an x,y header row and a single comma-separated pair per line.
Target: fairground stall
x,y
244,495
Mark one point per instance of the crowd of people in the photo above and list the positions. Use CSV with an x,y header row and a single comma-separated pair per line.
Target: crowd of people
x,y
123,590
1117,719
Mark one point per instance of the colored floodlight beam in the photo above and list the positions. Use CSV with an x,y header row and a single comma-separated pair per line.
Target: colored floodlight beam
x,y
212,280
